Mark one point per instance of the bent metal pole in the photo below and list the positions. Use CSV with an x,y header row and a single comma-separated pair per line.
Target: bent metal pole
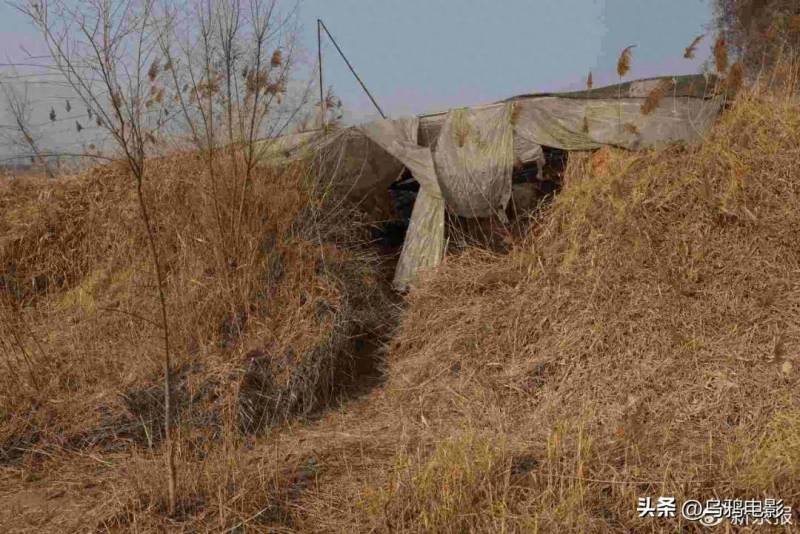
x,y
321,24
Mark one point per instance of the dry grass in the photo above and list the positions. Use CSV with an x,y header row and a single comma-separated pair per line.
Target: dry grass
x,y
265,327
642,340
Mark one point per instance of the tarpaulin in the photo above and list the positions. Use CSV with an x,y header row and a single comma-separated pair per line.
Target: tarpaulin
x,y
463,159
424,243
474,158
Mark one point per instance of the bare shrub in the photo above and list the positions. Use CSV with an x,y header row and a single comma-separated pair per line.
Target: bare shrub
x,y
192,100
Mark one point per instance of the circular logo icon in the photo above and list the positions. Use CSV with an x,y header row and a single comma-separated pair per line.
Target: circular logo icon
x,y
692,510
710,520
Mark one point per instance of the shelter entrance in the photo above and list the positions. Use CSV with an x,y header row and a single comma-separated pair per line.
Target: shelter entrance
x,y
468,168
533,185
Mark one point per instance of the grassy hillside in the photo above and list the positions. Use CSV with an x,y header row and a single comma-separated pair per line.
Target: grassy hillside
x,y
267,320
642,340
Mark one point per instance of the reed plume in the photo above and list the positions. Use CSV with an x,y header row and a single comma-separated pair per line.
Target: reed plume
x,y
152,72
624,61
631,128
721,55
689,51
515,111
655,96
735,77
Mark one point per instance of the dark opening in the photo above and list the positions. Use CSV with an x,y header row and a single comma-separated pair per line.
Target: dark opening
x,y
533,185
390,233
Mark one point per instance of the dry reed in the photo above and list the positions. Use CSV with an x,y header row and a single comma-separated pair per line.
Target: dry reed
x,y
690,50
624,61
656,95
721,55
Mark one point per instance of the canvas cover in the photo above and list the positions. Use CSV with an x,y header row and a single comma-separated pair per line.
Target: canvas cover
x,y
468,170
572,124
425,242
354,165
463,159
474,159
280,150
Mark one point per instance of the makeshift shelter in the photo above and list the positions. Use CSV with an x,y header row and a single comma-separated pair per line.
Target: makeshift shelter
x,y
463,158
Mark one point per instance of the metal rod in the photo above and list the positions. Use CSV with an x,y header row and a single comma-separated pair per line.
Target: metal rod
x,y
321,87
364,87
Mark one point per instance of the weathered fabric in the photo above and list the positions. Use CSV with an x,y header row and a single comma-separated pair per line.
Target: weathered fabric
x,y
399,138
689,85
424,243
474,158
280,150
572,124
469,171
347,160
354,165
430,126
556,119
463,159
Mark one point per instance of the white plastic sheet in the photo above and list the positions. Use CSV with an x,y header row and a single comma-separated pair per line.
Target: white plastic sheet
x,y
424,244
474,157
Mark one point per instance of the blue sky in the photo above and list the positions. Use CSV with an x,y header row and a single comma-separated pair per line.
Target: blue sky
x,y
418,56
424,55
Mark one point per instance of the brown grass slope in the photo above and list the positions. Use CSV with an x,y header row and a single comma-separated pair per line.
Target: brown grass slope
x,y
265,322
644,340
